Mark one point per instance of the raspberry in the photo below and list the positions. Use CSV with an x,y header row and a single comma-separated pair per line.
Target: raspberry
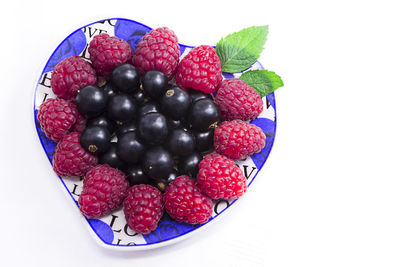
x,y
238,139
70,159
107,52
79,125
237,100
219,177
104,189
143,208
200,69
184,201
158,50
56,117
71,75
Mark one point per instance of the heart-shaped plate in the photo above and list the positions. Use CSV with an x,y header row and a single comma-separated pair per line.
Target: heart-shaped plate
x,y
112,231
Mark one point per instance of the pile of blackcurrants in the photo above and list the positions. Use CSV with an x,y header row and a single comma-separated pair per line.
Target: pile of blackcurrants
x,y
146,127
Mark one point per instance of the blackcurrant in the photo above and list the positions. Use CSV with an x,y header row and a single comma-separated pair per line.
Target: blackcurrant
x,y
157,163
172,176
121,108
204,114
129,148
204,141
153,128
140,97
91,101
102,121
190,164
175,103
197,95
135,175
126,78
129,126
154,83
173,124
181,142
96,139
163,183
111,158
109,90
148,107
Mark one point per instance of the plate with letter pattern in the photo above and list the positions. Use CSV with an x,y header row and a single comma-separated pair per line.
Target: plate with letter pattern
x,y
112,231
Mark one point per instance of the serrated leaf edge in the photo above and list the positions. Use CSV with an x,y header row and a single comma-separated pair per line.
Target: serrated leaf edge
x,y
262,93
241,69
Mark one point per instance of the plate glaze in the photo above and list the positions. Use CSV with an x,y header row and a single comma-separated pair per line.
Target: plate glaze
x,y
112,231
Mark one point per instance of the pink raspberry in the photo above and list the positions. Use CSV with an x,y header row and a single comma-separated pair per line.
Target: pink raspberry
x,y
237,100
104,189
56,117
184,201
219,177
80,124
70,159
200,69
106,52
238,139
71,75
143,208
158,50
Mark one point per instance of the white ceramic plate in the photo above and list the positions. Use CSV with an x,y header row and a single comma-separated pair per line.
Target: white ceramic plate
x,y
112,231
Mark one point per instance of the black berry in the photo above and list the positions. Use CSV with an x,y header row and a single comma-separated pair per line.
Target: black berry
x,y
175,103
181,142
148,107
129,126
140,97
121,108
204,141
163,183
102,121
157,163
126,78
174,124
111,158
204,114
96,139
154,83
129,148
91,101
172,176
109,90
190,164
135,175
197,95
153,128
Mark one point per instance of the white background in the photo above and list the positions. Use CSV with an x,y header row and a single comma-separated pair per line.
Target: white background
x,y
329,194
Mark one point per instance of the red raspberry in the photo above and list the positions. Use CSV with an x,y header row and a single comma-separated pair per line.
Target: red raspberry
x,y
238,139
184,201
106,52
237,100
158,50
104,189
56,117
143,208
70,159
71,75
200,69
219,177
79,125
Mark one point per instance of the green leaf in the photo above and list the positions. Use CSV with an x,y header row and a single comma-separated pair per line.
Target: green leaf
x,y
263,81
238,51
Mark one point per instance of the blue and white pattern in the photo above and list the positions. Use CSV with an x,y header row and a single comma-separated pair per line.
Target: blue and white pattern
x,y
112,230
